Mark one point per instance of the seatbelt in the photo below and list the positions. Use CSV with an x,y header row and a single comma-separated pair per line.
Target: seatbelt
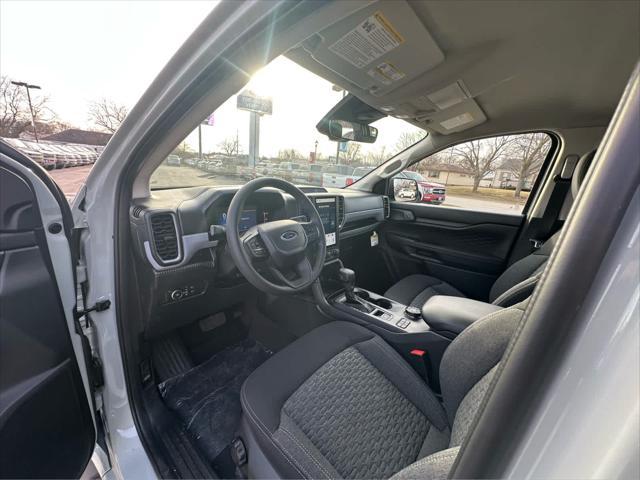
x,y
548,224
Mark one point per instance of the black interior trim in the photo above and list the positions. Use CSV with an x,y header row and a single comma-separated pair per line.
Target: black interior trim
x,y
45,411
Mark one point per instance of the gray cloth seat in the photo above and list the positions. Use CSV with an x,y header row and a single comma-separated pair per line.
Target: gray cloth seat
x,y
341,403
514,285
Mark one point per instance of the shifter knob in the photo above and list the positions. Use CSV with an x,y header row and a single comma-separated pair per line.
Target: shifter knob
x,y
347,277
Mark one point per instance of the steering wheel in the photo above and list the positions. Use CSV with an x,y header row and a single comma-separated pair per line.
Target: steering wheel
x,y
293,250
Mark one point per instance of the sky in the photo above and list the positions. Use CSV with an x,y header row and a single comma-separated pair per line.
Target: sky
x,y
79,51
83,51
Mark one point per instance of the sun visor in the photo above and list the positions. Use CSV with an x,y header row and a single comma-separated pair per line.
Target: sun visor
x,y
376,47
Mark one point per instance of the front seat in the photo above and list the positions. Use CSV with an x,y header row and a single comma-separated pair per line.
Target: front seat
x,y
341,403
514,285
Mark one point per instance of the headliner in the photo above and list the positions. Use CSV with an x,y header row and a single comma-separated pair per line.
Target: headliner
x,y
527,64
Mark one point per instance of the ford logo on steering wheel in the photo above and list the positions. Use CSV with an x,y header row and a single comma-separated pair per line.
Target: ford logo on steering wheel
x,y
289,235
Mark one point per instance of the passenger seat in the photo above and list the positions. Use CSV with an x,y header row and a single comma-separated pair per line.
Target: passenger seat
x,y
514,285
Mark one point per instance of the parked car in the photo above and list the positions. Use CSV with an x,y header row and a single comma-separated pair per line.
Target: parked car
x,y
360,172
173,160
430,192
286,170
337,176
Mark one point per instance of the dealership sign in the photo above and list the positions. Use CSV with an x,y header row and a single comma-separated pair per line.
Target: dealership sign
x,y
248,100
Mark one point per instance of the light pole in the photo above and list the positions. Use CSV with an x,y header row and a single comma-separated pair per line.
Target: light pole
x,y
33,117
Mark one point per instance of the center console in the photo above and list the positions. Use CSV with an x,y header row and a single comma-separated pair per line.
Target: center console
x,y
383,312
420,335
449,316
445,315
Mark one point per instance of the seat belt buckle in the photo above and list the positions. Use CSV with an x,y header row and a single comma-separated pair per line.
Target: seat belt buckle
x,y
535,244
420,362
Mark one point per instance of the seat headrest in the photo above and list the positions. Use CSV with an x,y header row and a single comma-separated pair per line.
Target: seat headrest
x,y
580,172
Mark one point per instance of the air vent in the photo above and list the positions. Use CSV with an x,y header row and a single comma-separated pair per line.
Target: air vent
x,y
137,211
340,208
165,237
386,207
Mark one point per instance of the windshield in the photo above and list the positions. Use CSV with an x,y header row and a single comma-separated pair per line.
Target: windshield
x,y
269,129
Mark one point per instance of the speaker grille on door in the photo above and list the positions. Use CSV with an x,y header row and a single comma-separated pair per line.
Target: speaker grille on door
x,y
165,236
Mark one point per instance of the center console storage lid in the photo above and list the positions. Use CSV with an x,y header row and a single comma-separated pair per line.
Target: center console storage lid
x,y
451,315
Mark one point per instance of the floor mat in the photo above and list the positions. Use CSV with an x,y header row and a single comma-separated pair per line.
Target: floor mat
x,y
170,358
207,397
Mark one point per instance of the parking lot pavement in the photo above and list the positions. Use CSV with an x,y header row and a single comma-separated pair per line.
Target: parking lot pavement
x,y
186,176
70,179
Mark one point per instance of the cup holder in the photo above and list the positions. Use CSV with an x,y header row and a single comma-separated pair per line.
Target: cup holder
x,y
363,294
383,303
379,301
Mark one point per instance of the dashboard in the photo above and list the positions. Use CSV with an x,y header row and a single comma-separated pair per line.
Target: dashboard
x,y
179,238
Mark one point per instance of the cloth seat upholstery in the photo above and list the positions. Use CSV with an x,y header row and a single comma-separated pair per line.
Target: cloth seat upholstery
x,y
341,403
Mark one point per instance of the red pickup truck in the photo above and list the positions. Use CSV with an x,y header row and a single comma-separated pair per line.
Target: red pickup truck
x,y
430,192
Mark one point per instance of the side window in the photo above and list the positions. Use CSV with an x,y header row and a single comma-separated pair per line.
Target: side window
x,y
491,174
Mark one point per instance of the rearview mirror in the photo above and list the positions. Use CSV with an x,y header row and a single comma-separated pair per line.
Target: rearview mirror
x,y
345,131
405,190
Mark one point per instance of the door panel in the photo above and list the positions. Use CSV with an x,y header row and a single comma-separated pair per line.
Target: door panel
x,y
467,249
46,426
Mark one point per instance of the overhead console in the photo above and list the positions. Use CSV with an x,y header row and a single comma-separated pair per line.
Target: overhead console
x,y
372,53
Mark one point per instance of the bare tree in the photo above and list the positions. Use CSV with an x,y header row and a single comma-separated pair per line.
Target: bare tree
x,y
107,114
480,157
15,117
183,150
289,154
230,146
352,155
376,157
408,139
528,151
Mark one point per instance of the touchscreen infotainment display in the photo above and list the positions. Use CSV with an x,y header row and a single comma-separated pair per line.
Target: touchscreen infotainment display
x,y
327,210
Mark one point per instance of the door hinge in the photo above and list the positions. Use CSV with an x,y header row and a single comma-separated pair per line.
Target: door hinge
x,y
99,306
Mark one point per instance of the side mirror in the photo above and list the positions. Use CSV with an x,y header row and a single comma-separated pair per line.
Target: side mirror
x,y
345,131
405,190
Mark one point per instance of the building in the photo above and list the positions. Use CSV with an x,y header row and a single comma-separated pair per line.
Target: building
x,y
506,175
448,175
80,137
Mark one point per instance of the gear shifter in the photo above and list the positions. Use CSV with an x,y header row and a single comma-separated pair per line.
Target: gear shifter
x,y
348,279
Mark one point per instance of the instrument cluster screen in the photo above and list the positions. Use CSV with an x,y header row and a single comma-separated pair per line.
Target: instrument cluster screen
x,y
248,219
